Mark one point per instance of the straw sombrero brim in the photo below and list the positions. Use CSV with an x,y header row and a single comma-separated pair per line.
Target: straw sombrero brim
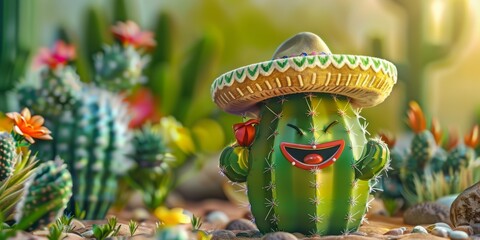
x,y
366,80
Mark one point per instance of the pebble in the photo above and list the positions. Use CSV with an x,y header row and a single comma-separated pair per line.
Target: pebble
x,y
457,235
72,236
419,229
140,214
222,234
241,224
465,206
467,229
87,234
250,234
476,228
396,231
440,232
427,213
76,224
218,218
280,236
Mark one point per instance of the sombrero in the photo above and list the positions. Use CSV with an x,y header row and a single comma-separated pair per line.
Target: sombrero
x,y
303,63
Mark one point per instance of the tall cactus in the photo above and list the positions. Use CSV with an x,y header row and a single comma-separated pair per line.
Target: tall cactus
x,y
46,194
8,155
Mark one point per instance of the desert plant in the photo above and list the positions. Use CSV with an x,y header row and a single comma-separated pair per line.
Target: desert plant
x,y
49,185
132,227
110,229
196,223
8,155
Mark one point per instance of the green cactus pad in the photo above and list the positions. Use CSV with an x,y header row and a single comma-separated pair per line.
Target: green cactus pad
x,y
230,166
46,194
7,155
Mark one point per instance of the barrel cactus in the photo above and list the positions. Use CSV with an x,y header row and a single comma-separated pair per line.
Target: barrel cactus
x,y
7,155
308,165
46,194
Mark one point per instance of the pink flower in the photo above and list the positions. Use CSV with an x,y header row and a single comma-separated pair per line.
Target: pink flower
x,y
129,33
58,56
142,108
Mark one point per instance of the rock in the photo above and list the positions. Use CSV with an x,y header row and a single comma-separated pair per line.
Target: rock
x,y
177,233
140,214
222,234
279,236
87,234
426,213
440,232
217,218
299,235
250,234
358,233
241,224
457,235
476,228
396,231
419,229
73,236
467,229
464,208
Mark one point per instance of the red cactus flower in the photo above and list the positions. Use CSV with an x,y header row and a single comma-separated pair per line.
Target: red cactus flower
x,y
58,56
416,119
436,131
388,138
245,132
129,33
142,108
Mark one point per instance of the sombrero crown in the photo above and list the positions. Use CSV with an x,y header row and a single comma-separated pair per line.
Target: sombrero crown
x,y
303,63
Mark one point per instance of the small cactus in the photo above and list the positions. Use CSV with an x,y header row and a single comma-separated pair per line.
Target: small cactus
x,y
119,68
7,155
46,194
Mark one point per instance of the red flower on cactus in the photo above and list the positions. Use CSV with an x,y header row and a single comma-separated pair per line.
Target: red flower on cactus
x,y
58,56
436,131
416,119
388,139
29,126
142,108
245,132
473,137
129,33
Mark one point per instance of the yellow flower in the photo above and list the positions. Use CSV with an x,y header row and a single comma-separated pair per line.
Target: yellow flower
x,y
177,135
171,217
201,235
29,126
6,124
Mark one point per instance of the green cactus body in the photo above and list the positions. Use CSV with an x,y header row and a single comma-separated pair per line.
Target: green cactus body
x,y
118,68
93,138
46,194
460,156
423,148
7,155
287,194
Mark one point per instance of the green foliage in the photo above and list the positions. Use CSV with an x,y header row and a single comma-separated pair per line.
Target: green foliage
x,y
55,232
7,155
12,188
196,222
50,185
110,229
132,227
66,222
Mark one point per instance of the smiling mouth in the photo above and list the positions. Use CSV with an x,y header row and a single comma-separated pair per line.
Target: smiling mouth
x,y
316,156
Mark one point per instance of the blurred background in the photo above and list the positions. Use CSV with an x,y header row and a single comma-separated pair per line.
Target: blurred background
x,y
434,44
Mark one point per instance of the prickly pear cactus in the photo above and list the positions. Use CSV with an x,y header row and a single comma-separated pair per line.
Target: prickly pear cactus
x,y
46,194
310,168
118,68
7,155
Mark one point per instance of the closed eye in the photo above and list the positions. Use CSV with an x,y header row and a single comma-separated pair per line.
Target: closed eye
x,y
325,130
299,130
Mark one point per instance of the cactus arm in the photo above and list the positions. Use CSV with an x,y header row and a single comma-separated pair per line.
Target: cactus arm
x,y
234,163
374,159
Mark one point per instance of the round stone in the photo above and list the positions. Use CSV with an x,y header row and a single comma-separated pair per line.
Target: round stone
x,y
280,236
426,213
458,235
419,229
440,232
218,218
222,234
241,224
467,229
396,231
250,234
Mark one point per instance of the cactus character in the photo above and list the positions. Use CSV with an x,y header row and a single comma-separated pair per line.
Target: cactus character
x,y
310,168
7,155
46,194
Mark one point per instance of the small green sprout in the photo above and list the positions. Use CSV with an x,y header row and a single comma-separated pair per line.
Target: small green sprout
x,y
132,226
196,222
55,231
110,229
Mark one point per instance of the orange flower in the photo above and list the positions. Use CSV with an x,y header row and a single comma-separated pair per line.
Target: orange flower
x,y
472,138
416,119
129,33
58,56
29,126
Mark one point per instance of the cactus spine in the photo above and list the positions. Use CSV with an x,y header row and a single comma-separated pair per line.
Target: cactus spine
x,y
283,197
46,194
8,156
